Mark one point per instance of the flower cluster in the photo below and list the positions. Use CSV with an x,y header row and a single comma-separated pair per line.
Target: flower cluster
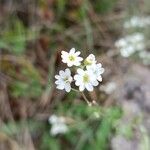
x,y
58,125
130,44
137,21
87,73
145,57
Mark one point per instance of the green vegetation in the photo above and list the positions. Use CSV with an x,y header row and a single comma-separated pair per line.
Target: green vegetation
x,y
31,38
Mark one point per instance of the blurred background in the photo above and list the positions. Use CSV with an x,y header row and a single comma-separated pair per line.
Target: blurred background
x,y
36,116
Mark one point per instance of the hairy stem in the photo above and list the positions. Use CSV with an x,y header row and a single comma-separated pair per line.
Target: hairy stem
x,y
74,90
85,98
83,95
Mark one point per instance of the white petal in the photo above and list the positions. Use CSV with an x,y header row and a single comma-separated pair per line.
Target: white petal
x,y
67,87
53,119
76,77
69,64
57,76
78,81
67,72
58,82
79,58
77,63
99,78
88,67
58,129
80,71
60,86
77,53
63,53
61,72
64,60
81,87
72,51
95,83
89,87
102,70
99,65
70,79
91,56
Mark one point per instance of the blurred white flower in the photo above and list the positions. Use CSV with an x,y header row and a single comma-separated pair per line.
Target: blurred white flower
x,y
63,80
109,88
71,58
58,125
90,60
55,119
97,70
130,44
58,129
96,114
137,21
85,80
145,56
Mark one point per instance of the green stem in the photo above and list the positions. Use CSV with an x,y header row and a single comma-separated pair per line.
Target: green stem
x,y
74,90
83,95
85,98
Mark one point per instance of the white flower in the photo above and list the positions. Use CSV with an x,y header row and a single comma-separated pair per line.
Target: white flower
x,y
55,119
63,80
97,70
58,129
109,88
90,60
130,44
145,57
58,125
85,80
71,58
137,21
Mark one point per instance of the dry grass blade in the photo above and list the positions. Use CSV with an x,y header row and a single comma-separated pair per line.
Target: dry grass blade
x,y
5,109
6,143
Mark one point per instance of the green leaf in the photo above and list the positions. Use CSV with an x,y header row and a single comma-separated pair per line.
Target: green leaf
x,y
49,143
104,6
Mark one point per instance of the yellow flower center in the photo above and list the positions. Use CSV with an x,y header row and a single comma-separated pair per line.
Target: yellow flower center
x,y
66,79
71,58
85,78
87,62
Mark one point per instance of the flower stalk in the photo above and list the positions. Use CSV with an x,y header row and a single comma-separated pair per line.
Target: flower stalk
x,y
85,98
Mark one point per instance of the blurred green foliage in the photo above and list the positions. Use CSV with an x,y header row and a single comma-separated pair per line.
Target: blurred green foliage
x,y
15,128
87,131
92,128
14,38
61,6
30,88
126,130
104,6
23,89
26,78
